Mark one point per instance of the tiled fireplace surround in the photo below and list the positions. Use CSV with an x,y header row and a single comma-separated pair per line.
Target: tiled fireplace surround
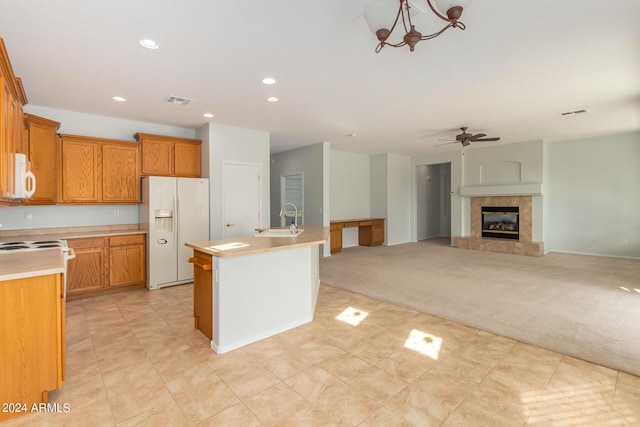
x,y
524,246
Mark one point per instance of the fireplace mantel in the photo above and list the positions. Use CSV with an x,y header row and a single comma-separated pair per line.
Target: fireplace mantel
x,y
524,189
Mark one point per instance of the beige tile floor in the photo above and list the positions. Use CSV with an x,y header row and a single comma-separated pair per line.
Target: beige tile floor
x,y
134,359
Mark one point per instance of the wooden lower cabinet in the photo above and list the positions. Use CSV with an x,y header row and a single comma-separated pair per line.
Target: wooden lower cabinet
x,y
335,236
106,264
202,292
127,260
32,350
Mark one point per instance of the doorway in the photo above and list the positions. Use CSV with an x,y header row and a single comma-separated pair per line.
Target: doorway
x,y
292,190
433,201
240,199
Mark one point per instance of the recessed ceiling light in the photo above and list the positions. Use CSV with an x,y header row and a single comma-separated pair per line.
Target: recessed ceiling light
x,y
208,115
351,135
269,80
149,44
119,99
272,99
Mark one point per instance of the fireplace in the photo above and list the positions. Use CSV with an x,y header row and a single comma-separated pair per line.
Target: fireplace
x,y
501,222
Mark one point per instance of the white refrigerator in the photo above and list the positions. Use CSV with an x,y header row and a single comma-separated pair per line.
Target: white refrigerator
x,y
173,211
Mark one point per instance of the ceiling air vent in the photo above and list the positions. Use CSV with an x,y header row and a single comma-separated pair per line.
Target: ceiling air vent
x,y
573,113
178,100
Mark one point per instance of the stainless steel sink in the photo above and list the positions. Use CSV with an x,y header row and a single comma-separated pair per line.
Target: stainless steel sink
x,y
277,232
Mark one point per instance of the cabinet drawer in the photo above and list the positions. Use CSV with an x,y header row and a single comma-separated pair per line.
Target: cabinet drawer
x,y
98,242
129,239
365,223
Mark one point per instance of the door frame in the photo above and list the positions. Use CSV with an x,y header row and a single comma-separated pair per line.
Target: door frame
x,y
225,163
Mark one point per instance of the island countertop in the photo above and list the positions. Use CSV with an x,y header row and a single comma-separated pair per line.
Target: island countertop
x,y
248,245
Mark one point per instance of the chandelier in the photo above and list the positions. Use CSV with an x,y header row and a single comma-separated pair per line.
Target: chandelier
x,y
378,14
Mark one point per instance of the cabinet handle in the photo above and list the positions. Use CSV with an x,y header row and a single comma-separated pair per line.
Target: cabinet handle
x,y
199,263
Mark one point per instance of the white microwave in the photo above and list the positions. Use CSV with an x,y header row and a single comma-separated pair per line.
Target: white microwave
x,y
25,180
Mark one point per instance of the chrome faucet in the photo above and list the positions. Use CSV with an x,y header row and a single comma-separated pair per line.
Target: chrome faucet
x,y
295,218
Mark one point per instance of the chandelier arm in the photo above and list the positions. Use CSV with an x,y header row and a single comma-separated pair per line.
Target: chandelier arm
x,y
434,35
406,6
437,12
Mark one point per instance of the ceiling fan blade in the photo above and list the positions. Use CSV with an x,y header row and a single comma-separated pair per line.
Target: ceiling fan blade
x,y
446,143
488,139
476,136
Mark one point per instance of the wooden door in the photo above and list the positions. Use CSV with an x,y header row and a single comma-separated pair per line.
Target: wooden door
x,y
42,137
157,156
240,199
120,173
126,260
31,340
187,159
88,270
79,171
7,148
203,293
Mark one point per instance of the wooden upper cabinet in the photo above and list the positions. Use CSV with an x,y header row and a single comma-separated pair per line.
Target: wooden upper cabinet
x,y
79,171
98,170
12,98
42,137
120,173
169,156
187,159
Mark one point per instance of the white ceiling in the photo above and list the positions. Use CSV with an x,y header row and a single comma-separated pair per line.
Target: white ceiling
x,y
518,65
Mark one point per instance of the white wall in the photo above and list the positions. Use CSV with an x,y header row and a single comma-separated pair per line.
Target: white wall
x,y
231,144
594,203
350,194
509,164
306,160
391,194
14,217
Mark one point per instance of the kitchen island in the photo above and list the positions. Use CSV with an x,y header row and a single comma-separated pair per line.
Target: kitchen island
x,y
250,288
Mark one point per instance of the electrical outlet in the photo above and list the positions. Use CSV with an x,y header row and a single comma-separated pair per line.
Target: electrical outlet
x,y
116,212
625,243
28,216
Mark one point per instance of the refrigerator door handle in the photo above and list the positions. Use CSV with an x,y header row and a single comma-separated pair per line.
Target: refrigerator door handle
x,y
176,220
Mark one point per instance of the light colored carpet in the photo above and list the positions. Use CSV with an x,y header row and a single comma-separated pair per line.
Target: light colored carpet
x,y
583,306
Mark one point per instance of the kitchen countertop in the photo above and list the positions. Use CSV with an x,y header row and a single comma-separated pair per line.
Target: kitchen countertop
x,y
69,233
248,245
22,264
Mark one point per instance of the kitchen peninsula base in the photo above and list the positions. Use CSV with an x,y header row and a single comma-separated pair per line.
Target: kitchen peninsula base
x,y
257,287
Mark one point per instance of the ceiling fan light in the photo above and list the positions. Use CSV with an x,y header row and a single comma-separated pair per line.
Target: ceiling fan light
x,y
380,14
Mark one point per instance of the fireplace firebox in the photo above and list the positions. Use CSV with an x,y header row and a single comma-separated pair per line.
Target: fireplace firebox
x,y
500,222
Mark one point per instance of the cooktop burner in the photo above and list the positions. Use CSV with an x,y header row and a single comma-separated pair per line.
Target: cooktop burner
x,y
29,245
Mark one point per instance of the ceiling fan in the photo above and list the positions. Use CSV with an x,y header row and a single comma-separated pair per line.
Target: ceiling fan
x,y
466,138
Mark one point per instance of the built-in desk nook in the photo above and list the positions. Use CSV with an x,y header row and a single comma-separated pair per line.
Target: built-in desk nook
x,y
370,231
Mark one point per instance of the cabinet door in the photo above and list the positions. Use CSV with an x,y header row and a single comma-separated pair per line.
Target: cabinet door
x,y
31,339
120,173
80,172
157,156
127,260
42,137
187,159
7,148
202,293
335,237
377,237
87,271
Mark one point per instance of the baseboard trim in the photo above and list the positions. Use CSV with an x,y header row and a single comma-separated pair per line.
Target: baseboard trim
x,y
592,254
